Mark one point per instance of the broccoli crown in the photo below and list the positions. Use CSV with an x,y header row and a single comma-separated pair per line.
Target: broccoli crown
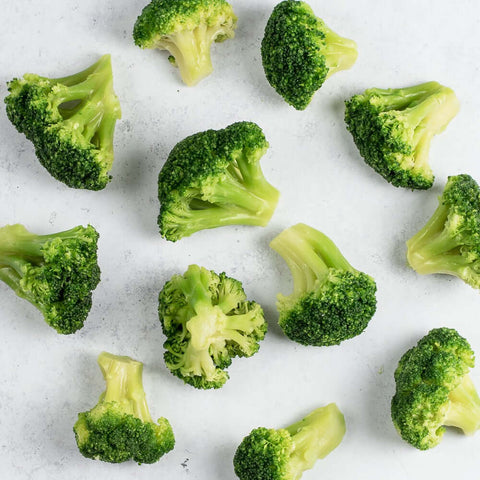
x,y
299,52
284,454
213,178
433,389
70,121
207,321
331,301
56,273
187,29
450,241
119,428
393,128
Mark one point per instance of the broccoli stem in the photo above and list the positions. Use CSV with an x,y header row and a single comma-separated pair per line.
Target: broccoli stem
x,y
340,53
309,255
123,377
315,437
464,410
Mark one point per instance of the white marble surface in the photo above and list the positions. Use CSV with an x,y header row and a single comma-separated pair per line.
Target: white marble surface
x,y
47,378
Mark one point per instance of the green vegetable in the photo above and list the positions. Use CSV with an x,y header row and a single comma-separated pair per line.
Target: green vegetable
x,y
284,454
208,321
450,241
119,427
299,52
56,273
213,178
393,129
331,301
70,121
434,389
187,29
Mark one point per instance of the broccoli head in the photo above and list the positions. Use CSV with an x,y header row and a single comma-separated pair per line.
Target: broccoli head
x,y
56,273
299,52
70,121
433,389
187,29
450,241
213,178
119,428
284,454
393,128
331,301
207,321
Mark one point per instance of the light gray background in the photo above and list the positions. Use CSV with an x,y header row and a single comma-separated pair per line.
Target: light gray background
x,y
47,378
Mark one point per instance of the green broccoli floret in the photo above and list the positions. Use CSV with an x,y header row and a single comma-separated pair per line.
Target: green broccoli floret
x,y
284,454
119,428
56,273
207,321
299,52
70,122
331,301
393,129
450,241
213,178
187,29
434,389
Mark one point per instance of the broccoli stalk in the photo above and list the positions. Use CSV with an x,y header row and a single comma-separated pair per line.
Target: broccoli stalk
x,y
120,427
450,241
331,301
56,272
464,408
284,454
207,321
71,121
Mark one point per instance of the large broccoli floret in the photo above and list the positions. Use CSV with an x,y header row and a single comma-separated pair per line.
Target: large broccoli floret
x,y
434,389
119,427
187,29
299,52
450,241
213,178
284,454
393,129
70,121
331,301
207,321
56,273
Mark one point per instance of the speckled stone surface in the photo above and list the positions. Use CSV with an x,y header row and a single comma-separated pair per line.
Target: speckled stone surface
x,y
46,379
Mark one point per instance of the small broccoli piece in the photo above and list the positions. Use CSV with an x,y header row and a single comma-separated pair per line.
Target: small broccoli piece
x,y
187,29
207,321
393,129
450,241
299,52
331,301
119,428
56,273
284,454
70,122
433,389
213,178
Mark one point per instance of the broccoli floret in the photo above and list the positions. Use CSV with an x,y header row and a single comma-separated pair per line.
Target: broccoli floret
x,y
213,178
331,301
284,454
70,122
450,241
120,428
433,389
393,129
187,29
299,52
207,321
56,273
